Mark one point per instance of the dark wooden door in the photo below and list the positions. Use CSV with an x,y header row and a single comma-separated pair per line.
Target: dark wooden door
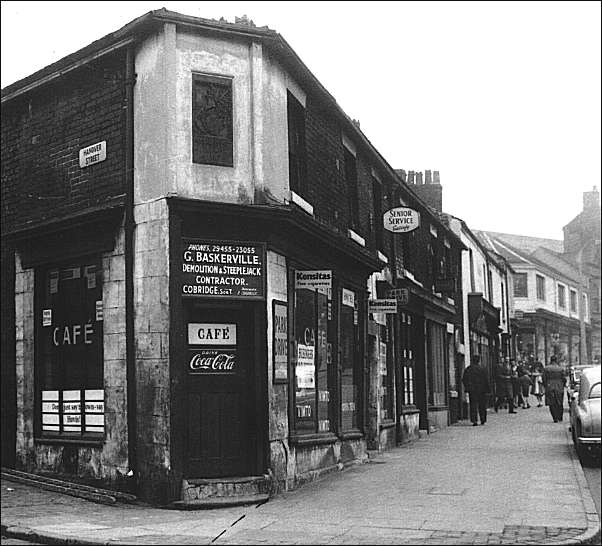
x,y
220,392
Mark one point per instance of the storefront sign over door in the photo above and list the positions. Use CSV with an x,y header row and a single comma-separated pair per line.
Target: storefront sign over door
x,y
225,269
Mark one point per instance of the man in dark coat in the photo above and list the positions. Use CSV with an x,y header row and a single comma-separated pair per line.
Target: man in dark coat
x,y
503,381
554,380
476,385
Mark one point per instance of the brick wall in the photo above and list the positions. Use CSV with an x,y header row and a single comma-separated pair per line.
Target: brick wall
x,y
42,133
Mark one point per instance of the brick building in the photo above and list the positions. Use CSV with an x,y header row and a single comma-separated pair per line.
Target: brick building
x,y
191,233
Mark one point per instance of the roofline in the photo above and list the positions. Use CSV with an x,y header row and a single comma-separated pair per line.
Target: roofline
x,y
274,41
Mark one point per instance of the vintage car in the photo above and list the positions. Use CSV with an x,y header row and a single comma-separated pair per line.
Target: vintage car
x,y
573,378
585,412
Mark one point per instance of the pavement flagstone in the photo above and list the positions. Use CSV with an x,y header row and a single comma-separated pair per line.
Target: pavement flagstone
x,y
515,480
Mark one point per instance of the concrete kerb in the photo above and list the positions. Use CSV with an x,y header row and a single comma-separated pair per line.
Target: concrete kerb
x,y
593,521
23,533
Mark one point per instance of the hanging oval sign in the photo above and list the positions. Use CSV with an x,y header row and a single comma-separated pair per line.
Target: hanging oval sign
x,y
401,220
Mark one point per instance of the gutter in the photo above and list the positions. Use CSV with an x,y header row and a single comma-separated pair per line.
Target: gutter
x,y
129,225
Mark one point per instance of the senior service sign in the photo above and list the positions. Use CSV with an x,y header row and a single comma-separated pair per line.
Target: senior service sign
x,y
401,220
226,269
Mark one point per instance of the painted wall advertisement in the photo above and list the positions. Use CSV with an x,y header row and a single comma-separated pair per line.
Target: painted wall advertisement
x,y
212,360
228,269
280,341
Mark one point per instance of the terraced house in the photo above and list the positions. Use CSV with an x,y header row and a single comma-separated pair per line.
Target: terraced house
x,y
191,234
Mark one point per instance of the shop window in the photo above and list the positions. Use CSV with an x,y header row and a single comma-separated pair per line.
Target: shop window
x,y
69,358
436,364
212,120
561,296
407,341
540,284
386,370
520,285
313,362
350,369
297,158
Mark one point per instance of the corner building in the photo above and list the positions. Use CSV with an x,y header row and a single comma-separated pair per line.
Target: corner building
x,y
189,241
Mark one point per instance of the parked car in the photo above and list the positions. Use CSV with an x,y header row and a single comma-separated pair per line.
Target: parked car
x,y
585,412
574,375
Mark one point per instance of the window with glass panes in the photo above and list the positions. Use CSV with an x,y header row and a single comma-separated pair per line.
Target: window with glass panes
x,y
312,362
407,357
573,298
297,158
350,168
561,296
540,285
520,285
386,369
349,366
69,356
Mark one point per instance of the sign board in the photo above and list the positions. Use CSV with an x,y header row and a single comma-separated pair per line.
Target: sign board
x,y
518,315
211,334
47,317
93,154
227,269
445,285
402,295
401,220
212,361
320,280
305,370
280,341
348,298
382,306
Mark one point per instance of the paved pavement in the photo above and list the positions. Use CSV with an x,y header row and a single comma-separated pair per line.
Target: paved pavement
x,y
515,480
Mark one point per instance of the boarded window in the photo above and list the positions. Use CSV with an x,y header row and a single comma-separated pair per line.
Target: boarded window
x,y
561,296
573,301
297,162
212,141
351,180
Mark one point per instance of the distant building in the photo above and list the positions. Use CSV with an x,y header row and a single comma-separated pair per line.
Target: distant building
x,y
547,303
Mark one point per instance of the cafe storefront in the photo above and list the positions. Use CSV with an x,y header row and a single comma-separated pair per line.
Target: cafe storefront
x,y
269,377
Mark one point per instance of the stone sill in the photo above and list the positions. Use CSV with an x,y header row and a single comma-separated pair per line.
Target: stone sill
x,y
389,423
77,441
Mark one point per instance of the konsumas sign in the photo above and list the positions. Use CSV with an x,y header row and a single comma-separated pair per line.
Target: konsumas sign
x,y
223,269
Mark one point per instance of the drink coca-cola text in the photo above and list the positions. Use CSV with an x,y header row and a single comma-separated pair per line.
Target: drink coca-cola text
x,y
219,362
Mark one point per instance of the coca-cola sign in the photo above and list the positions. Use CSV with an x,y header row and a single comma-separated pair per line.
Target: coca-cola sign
x,y
212,361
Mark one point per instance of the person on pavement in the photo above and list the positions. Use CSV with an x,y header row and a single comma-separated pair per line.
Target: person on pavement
x,y
516,390
554,379
525,385
503,380
476,385
537,378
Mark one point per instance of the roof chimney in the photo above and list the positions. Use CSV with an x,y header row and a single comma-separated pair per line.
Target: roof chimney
x,y
411,179
419,178
431,192
591,199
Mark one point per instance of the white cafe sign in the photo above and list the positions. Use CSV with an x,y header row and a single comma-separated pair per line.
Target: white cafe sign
x,y
211,334
401,220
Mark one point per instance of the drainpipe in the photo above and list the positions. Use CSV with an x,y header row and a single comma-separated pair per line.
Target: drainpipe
x,y
129,226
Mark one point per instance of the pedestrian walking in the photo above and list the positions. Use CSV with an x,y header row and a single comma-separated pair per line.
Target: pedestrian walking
x,y
476,384
537,379
554,379
516,391
526,383
503,380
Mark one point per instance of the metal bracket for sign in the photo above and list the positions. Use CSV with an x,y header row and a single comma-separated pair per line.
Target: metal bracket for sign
x,y
218,242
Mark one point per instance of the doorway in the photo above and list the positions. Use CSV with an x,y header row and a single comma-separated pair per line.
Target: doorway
x,y
221,391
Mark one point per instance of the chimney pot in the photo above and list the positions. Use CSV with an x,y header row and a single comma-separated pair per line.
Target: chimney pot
x,y
427,177
436,179
419,177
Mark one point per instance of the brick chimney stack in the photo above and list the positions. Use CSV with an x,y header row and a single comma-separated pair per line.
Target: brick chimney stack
x,y
431,191
591,199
